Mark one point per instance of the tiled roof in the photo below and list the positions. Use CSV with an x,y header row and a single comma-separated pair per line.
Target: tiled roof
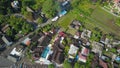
x,y
103,64
85,51
116,1
82,58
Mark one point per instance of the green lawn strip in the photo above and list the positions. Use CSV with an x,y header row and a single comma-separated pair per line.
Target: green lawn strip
x,y
71,31
105,21
118,24
65,21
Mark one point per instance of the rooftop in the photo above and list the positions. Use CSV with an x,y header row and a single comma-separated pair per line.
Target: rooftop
x,y
73,50
82,58
26,41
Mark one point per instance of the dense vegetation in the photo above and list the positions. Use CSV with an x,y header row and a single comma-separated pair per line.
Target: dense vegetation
x,y
5,7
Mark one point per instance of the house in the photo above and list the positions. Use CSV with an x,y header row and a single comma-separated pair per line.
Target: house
x,y
76,42
86,34
103,64
75,24
36,52
115,8
95,61
97,48
83,55
16,54
85,51
58,54
15,4
116,42
82,58
44,40
85,42
116,3
27,41
5,28
62,34
118,50
77,35
35,38
72,51
7,40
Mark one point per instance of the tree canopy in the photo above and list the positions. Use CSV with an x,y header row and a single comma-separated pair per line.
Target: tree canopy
x,y
5,7
50,8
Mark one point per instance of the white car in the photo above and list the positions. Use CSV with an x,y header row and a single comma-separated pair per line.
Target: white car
x,y
55,18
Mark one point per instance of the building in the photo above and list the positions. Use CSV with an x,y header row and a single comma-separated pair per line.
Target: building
x,y
85,51
36,52
5,28
75,24
82,58
16,54
27,41
58,54
72,51
86,34
15,4
103,64
77,35
97,48
7,40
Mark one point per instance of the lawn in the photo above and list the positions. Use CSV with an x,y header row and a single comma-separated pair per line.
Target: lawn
x,y
105,21
66,20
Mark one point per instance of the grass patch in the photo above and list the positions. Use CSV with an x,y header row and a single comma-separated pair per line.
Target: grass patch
x,y
65,21
105,21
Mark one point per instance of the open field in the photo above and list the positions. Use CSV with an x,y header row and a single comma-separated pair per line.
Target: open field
x,y
105,21
99,18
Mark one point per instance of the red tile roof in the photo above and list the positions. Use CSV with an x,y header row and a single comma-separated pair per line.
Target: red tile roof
x,y
85,51
116,1
103,64
82,58
62,34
